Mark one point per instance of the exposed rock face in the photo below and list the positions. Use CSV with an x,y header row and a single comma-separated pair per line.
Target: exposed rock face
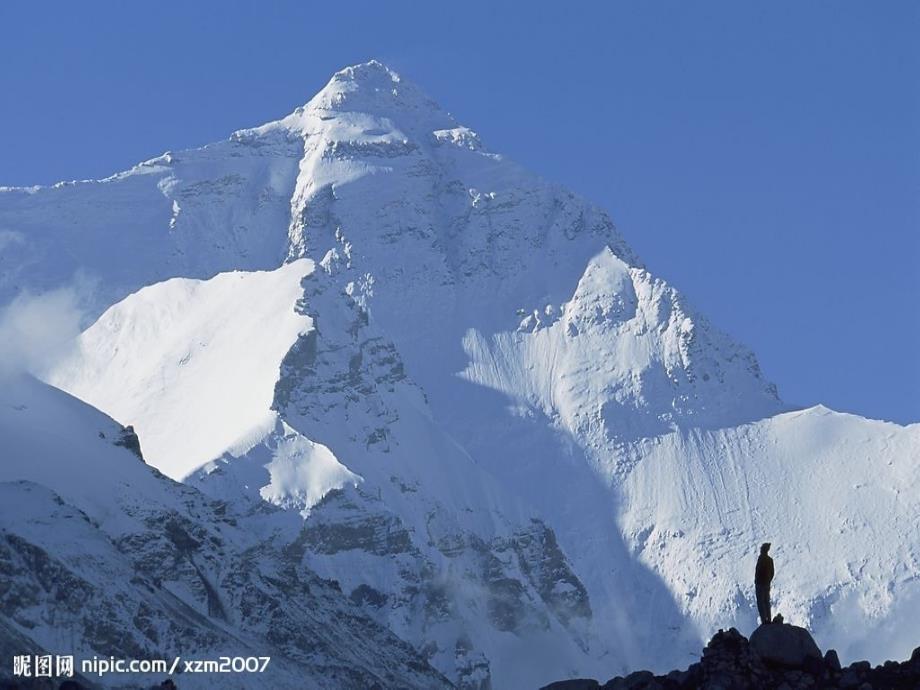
x,y
778,656
547,569
345,523
128,439
175,586
423,568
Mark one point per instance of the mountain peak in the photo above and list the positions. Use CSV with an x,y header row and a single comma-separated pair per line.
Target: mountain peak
x,y
367,72
361,98
372,88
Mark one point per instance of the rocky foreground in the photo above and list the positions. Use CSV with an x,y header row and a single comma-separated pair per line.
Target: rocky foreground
x,y
780,656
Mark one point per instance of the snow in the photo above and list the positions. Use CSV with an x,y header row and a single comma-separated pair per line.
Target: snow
x,y
191,364
302,472
59,442
299,472
123,233
834,493
476,348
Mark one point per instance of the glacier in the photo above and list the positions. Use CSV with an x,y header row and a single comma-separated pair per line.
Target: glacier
x,y
450,387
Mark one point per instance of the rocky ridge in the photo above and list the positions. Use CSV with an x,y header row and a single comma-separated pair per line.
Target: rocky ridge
x,y
777,657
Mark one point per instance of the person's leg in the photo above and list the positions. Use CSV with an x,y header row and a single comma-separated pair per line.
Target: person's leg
x,y
762,603
766,604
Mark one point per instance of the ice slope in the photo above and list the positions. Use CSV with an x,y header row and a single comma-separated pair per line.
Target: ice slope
x,y
190,363
104,556
193,365
487,350
67,446
836,494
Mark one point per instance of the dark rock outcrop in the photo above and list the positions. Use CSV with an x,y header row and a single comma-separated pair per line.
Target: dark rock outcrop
x,y
784,645
778,657
129,439
574,684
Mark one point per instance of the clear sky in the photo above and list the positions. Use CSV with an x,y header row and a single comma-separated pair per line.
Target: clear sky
x,y
763,157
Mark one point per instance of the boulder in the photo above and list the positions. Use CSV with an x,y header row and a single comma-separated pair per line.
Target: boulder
x,y
785,645
573,684
638,680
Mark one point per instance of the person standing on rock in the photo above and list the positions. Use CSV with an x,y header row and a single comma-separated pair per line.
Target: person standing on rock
x,y
763,576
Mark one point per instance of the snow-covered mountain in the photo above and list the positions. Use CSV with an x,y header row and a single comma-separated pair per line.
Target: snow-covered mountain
x,y
104,556
508,441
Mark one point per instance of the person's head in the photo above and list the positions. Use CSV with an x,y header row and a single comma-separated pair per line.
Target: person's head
x,y
765,547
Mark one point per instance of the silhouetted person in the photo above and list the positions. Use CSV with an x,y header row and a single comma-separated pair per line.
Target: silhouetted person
x,y
763,576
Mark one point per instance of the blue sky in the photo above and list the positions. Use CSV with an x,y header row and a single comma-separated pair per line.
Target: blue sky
x,y
763,157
